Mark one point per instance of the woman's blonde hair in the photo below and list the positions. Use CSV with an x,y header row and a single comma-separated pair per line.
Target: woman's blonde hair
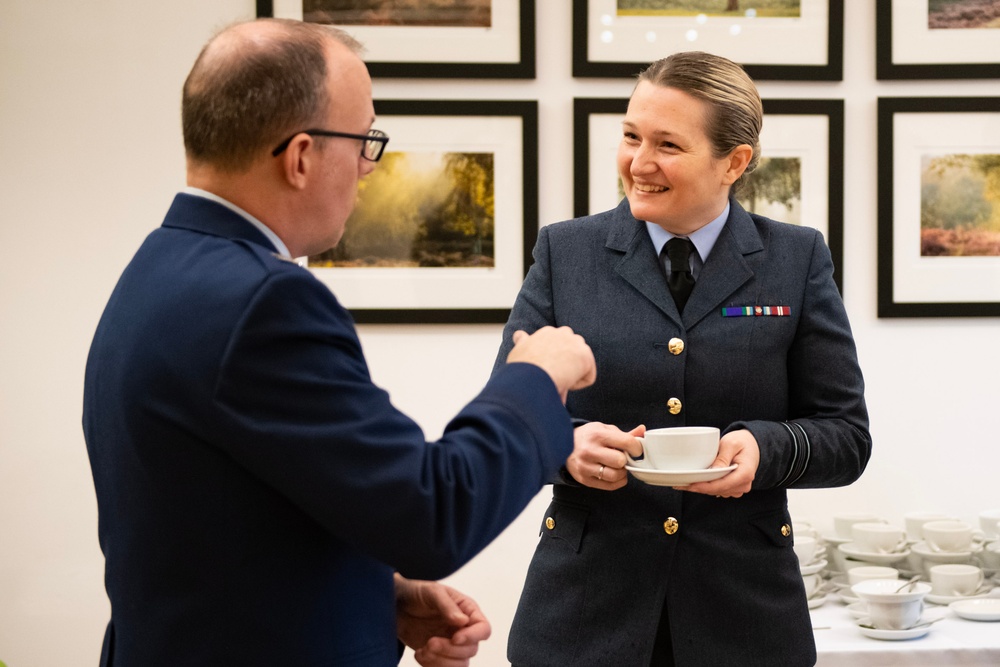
x,y
735,110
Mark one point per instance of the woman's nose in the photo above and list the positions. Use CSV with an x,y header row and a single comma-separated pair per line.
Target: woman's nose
x,y
642,160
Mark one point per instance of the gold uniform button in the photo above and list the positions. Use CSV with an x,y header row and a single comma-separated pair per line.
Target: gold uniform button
x,y
674,405
670,526
550,523
786,530
675,345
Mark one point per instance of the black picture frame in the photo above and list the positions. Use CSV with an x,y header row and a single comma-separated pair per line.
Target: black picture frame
x,y
909,127
887,68
831,70
832,109
432,295
522,68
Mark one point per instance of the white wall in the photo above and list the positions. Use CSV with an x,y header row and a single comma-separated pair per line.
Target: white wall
x,y
90,132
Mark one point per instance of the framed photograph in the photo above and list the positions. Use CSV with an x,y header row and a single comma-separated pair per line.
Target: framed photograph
x,y
800,178
443,228
772,39
939,207
476,39
937,39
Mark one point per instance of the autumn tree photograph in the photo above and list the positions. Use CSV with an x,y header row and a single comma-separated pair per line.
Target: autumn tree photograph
x,y
441,13
755,8
963,14
420,210
774,189
960,205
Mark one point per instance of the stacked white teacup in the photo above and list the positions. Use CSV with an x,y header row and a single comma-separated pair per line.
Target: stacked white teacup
x,y
892,605
949,541
810,551
856,575
989,557
842,525
950,580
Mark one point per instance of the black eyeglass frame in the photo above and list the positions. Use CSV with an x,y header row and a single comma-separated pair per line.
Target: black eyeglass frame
x,y
374,136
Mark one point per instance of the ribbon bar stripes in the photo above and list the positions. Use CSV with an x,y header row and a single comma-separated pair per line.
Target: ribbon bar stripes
x,y
753,311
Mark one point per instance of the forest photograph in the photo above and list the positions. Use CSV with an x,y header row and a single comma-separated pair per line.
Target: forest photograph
x,y
441,13
774,189
755,8
963,14
960,205
420,209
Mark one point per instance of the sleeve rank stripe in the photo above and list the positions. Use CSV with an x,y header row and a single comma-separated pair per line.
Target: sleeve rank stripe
x,y
795,454
808,453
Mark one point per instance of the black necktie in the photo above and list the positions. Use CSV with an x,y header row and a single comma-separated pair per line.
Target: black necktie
x,y
679,278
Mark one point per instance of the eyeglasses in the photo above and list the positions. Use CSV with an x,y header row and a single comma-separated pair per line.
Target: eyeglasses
x,y
371,149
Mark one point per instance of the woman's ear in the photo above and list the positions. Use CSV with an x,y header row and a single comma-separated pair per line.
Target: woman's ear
x,y
736,163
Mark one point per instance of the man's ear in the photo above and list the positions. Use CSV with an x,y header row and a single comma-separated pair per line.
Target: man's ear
x,y
737,162
298,160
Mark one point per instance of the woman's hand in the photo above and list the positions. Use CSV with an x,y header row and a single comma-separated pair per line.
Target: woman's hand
x,y
739,447
598,459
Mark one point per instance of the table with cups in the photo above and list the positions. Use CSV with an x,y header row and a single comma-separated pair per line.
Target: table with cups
x,y
926,592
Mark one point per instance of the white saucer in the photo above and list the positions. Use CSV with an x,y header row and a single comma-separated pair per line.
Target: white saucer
x,y
875,558
820,600
847,598
978,609
893,635
839,582
924,551
836,539
678,477
813,568
948,599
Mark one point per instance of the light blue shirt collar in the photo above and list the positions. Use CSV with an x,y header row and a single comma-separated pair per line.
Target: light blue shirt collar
x,y
703,239
264,229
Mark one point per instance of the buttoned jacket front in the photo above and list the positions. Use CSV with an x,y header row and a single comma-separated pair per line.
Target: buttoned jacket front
x,y
607,561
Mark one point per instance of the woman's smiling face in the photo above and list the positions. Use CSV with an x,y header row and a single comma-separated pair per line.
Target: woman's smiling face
x,y
667,163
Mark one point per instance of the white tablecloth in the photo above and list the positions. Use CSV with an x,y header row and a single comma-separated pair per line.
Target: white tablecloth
x,y
951,641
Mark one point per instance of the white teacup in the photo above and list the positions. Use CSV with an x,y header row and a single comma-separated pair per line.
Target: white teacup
x,y
890,608
990,556
804,528
989,521
901,615
949,535
955,579
807,548
812,582
678,449
877,537
914,522
842,523
865,572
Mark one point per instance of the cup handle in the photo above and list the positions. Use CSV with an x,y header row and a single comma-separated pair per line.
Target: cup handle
x,y
978,536
895,549
641,461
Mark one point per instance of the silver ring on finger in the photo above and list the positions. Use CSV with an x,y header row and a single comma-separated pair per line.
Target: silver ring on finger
x,y
600,474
